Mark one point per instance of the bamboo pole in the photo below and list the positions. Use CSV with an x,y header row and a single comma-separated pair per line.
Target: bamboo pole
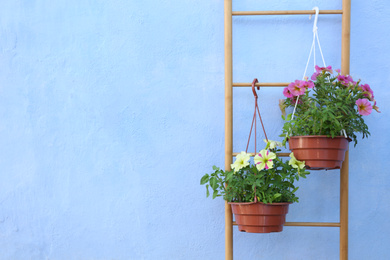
x,y
262,84
344,208
288,12
228,121
278,154
308,224
312,224
345,36
344,172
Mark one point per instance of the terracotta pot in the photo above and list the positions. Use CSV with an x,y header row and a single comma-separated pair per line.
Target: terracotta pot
x,y
319,151
259,217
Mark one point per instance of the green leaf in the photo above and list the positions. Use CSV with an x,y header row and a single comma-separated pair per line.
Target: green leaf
x,y
213,183
215,194
207,191
277,195
229,175
215,168
204,179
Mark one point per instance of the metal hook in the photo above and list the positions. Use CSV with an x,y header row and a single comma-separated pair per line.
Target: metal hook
x,y
315,18
254,86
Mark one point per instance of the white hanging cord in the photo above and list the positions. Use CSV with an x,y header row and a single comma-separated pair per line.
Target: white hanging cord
x,y
315,35
315,28
295,107
319,46
312,50
308,60
342,132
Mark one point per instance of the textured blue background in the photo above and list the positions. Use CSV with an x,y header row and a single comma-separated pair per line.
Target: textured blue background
x,y
111,111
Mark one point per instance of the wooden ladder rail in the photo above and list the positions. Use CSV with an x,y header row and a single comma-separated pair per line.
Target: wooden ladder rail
x,y
345,65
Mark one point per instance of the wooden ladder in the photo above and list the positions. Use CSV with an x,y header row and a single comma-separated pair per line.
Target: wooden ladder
x,y
345,61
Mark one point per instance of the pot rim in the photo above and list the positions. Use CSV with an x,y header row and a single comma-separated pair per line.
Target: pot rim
x,y
250,203
320,136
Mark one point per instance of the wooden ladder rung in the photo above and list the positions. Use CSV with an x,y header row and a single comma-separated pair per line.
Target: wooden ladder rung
x,y
289,12
262,84
312,224
307,224
278,154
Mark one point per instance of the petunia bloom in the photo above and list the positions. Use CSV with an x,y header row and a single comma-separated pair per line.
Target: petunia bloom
x,y
297,88
294,100
320,70
272,144
295,163
364,106
345,80
309,84
367,91
375,107
323,69
264,160
242,160
315,75
287,93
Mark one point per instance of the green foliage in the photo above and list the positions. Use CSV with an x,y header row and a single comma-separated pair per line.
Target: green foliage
x,y
327,109
272,185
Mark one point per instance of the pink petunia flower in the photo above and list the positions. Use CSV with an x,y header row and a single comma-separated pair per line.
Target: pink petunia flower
x,y
364,106
309,84
297,88
345,80
321,69
287,93
375,107
294,100
338,71
367,92
315,75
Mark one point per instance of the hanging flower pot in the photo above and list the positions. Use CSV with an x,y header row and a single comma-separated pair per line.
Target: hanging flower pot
x,y
260,192
260,217
325,105
319,151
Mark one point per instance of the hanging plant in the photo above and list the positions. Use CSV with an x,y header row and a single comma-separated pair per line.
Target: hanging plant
x,y
327,106
263,189
259,193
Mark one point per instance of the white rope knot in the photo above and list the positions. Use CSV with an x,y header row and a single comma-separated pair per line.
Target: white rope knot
x,y
315,28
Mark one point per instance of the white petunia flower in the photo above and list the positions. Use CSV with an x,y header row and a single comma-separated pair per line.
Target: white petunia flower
x,y
242,160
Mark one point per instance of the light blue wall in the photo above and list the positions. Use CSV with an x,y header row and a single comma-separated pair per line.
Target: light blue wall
x,y
111,111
